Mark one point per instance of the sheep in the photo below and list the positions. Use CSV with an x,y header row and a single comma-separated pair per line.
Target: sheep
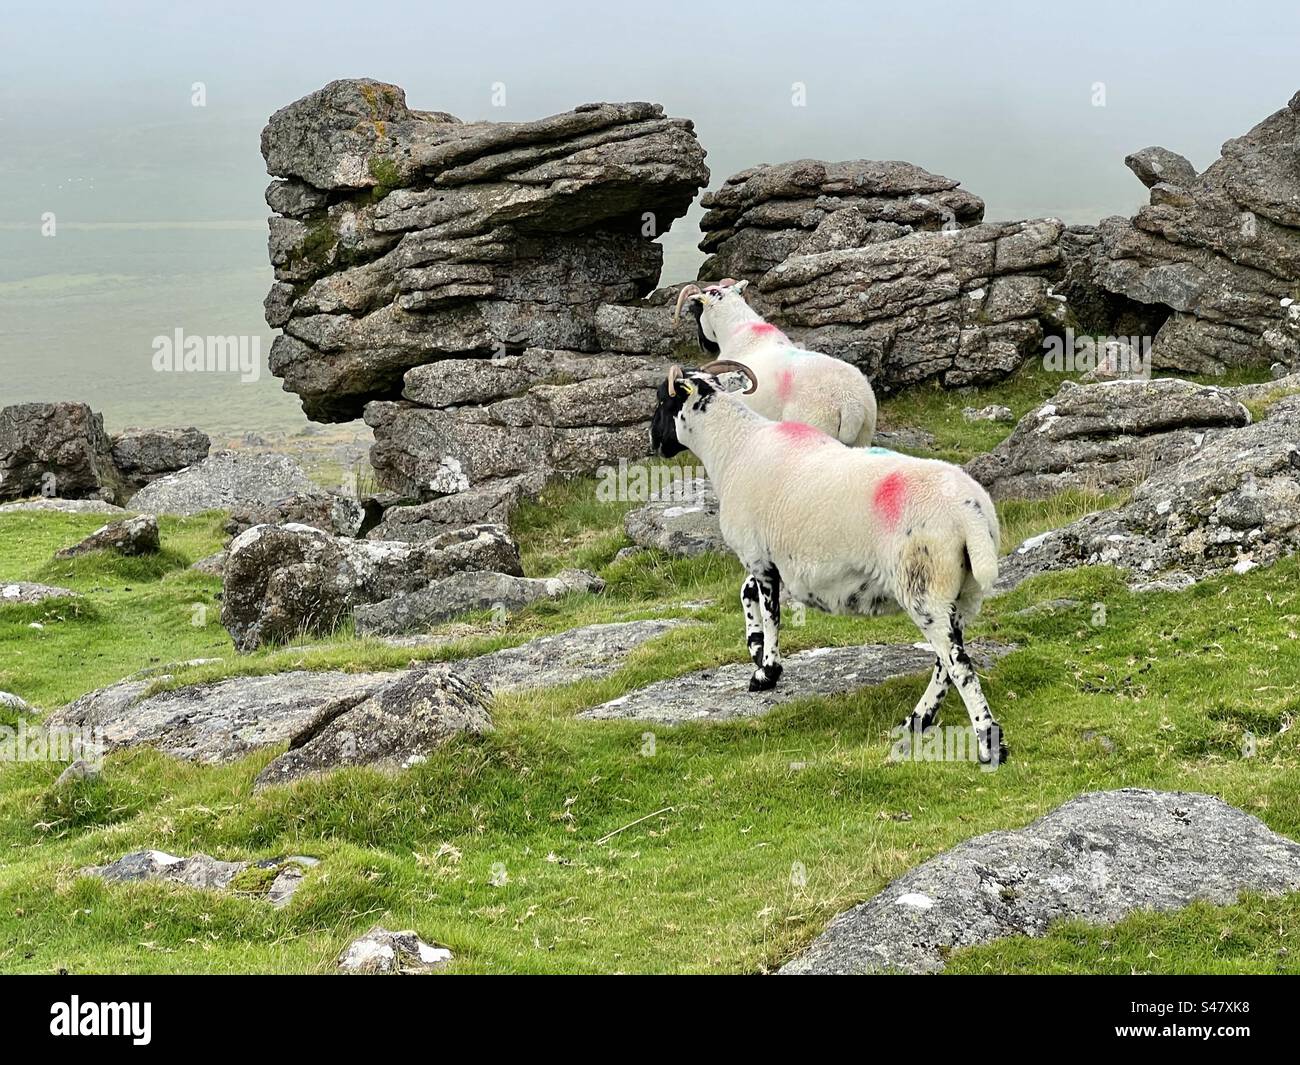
x,y
846,530
803,386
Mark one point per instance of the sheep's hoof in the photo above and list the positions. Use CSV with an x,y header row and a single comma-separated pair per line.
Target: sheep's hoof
x,y
985,753
765,678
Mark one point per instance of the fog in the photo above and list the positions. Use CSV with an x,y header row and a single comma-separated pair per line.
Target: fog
x,y
1031,106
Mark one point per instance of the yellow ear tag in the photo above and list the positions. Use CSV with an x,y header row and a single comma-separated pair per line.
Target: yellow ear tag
x,y
686,387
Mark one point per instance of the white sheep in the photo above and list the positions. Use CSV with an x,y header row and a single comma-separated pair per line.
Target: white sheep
x,y
802,386
847,530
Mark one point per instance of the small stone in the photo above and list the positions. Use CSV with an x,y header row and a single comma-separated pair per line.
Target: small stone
x,y
211,565
79,769
12,702
382,951
993,413
27,592
1101,740
131,536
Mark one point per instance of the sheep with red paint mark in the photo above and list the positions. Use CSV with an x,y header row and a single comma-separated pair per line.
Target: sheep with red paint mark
x,y
846,530
796,385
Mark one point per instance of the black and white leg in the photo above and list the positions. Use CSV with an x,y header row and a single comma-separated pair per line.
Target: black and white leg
x,y
769,605
926,712
749,603
946,638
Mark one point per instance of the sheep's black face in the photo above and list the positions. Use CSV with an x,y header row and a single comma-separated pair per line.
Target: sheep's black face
x,y
663,426
708,346
694,395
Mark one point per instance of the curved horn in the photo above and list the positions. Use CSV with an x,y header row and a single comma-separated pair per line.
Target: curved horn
x,y
731,364
687,290
674,375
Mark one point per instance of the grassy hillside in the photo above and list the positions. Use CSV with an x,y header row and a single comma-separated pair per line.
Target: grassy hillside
x,y
557,845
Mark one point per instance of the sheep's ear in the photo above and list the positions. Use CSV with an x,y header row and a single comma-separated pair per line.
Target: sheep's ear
x,y
740,286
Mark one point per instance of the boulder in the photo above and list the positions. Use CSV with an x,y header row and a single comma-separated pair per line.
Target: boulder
x,y
144,455
765,214
130,536
510,422
1098,858
722,693
646,327
1105,436
1156,165
490,503
331,513
681,520
583,654
280,876
403,237
225,480
1219,251
281,581
382,951
219,722
464,592
1231,504
29,592
392,729
56,450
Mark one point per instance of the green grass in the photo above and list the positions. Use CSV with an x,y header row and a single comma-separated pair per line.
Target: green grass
x,y
555,845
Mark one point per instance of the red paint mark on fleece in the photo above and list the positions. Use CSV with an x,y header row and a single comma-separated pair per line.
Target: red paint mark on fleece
x,y
784,384
801,433
889,496
764,329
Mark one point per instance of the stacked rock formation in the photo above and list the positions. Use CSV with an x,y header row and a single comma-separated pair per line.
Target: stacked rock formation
x,y
883,264
479,290
404,239
1220,250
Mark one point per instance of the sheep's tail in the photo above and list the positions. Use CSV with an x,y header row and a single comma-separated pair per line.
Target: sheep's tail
x,y
981,546
857,423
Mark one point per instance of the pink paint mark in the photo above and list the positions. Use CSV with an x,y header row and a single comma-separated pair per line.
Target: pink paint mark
x,y
889,497
784,385
801,433
759,329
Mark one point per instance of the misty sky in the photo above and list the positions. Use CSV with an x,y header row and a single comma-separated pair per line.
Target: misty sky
x,y
161,221
95,97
